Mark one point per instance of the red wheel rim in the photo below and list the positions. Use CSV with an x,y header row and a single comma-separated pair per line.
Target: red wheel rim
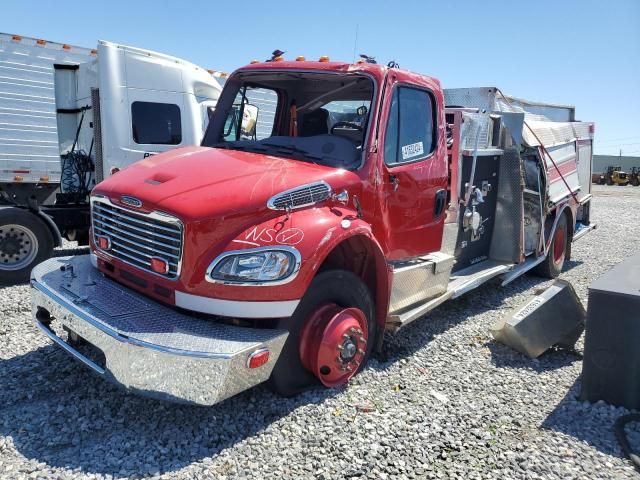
x,y
333,343
559,245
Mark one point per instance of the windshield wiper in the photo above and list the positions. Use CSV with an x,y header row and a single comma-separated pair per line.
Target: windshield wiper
x,y
293,149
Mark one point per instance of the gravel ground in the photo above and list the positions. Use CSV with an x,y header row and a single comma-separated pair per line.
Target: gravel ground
x,y
442,401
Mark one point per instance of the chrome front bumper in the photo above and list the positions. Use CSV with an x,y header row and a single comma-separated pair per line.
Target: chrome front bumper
x,y
142,345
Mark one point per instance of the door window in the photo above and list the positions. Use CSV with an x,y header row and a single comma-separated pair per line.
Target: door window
x,y
156,123
410,128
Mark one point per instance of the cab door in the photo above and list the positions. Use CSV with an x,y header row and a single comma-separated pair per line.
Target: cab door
x,y
413,166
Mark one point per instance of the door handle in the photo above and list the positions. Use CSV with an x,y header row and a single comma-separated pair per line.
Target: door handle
x,y
393,179
440,201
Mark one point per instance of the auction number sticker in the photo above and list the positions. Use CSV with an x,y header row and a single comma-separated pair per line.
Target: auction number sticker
x,y
412,150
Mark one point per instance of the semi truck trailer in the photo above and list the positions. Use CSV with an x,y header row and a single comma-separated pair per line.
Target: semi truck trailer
x,y
373,197
71,116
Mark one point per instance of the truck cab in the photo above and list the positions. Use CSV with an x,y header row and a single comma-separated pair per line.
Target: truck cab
x,y
358,202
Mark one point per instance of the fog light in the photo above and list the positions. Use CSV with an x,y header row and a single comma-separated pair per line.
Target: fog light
x,y
104,243
258,358
159,265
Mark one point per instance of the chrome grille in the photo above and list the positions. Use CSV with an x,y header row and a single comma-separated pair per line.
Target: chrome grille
x,y
138,237
299,197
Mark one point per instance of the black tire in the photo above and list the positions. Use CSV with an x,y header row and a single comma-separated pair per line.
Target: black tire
x,y
289,376
551,267
30,226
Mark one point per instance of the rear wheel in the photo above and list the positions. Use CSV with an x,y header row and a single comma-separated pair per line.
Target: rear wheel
x,y
558,251
25,241
331,335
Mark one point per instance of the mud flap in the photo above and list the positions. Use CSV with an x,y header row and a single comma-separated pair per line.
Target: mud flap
x,y
553,317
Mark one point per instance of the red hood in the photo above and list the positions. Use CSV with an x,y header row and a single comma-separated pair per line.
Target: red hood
x,y
196,183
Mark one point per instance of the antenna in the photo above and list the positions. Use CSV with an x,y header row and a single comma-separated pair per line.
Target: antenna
x,y
355,44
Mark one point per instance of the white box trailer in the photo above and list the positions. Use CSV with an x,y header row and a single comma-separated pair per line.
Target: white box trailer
x,y
28,138
101,111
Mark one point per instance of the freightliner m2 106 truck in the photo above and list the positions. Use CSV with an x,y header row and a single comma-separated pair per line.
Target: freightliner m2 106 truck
x,y
372,197
69,117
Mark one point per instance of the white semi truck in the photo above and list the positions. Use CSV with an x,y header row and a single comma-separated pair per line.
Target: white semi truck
x,y
69,117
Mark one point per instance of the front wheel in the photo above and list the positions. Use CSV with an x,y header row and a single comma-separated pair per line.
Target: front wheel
x,y
558,251
331,335
25,241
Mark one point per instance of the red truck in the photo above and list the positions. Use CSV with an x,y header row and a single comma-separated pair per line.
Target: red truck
x,y
282,249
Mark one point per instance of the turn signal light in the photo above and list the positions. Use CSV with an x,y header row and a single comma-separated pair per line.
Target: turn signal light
x,y
104,243
258,358
159,265
323,58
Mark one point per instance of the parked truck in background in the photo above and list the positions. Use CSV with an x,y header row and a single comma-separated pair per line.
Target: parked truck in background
x,y
372,197
71,116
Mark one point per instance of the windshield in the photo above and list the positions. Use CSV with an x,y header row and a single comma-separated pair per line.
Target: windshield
x,y
314,117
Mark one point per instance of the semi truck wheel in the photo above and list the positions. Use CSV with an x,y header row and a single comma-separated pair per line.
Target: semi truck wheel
x,y
331,335
25,241
559,251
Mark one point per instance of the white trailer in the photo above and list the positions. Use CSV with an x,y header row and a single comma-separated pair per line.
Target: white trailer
x,y
99,112
29,151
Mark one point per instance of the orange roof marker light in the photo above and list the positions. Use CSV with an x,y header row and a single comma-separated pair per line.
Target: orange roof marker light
x,y
66,47
279,58
16,38
254,61
300,58
94,52
41,42
324,58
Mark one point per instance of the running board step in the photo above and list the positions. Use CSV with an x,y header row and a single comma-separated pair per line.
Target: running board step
x,y
521,269
463,281
582,231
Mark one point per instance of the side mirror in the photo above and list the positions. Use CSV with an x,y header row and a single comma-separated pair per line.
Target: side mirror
x,y
249,120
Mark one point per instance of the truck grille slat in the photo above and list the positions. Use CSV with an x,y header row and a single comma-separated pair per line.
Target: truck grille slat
x,y
111,221
152,252
135,218
138,237
108,229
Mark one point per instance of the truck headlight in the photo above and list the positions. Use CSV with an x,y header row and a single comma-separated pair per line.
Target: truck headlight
x,y
256,266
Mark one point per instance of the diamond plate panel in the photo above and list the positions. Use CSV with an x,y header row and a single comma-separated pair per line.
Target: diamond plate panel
x,y
506,244
417,281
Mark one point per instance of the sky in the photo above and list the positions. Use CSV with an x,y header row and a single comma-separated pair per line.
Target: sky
x,y
580,52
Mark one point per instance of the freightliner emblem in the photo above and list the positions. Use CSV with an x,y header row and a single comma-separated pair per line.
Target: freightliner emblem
x,y
131,201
